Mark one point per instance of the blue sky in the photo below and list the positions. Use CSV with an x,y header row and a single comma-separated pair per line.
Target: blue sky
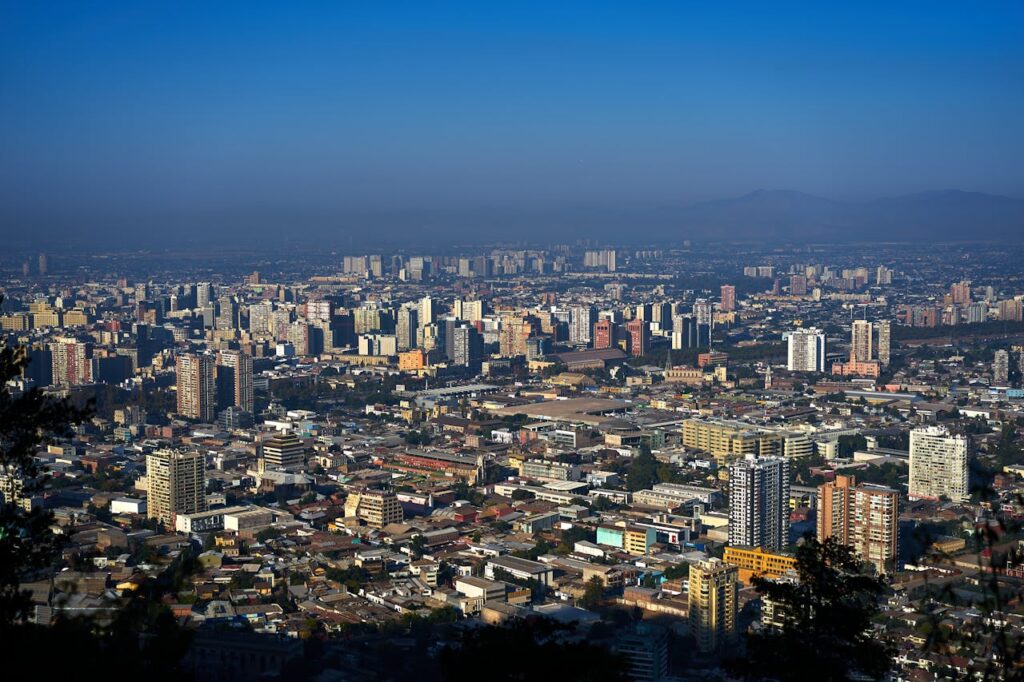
x,y
196,114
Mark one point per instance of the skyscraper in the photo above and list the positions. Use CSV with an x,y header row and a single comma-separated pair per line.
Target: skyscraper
x,y
176,481
407,327
938,464
759,502
467,346
860,346
728,297
426,311
196,387
713,598
581,324
798,285
234,380
806,350
1001,368
638,337
884,328
865,518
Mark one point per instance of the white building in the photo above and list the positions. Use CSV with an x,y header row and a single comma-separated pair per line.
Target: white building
x,y
759,502
938,464
807,350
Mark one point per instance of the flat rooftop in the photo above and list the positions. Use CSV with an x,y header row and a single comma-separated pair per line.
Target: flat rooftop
x,y
582,410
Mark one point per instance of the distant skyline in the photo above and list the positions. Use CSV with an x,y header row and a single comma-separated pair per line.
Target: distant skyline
x,y
353,120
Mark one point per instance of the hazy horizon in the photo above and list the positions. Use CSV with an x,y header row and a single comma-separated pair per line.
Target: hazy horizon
x,y
342,122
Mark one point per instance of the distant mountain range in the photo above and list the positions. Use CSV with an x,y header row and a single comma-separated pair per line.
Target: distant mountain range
x,y
786,215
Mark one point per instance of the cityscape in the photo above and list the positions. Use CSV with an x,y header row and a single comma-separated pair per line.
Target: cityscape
x,y
770,437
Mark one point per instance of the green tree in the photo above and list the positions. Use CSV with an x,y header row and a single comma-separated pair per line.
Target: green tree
x,y
593,595
826,621
643,470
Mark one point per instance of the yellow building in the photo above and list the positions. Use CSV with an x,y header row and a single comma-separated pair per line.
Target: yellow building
x,y
757,561
377,508
727,439
412,360
713,598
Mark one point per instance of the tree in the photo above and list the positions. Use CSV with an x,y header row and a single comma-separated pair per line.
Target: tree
x,y
26,422
593,595
826,621
643,470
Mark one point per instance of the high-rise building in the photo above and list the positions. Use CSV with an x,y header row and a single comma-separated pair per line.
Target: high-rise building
x,y
728,297
234,380
644,652
884,328
703,312
604,334
283,452
196,387
71,362
467,346
939,464
1011,309
426,311
204,294
638,338
865,518
860,346
759,502
581,324
176,482
407,327
798,285
883,276
1001,368
43,266
713,599
960,293
468,311
806,350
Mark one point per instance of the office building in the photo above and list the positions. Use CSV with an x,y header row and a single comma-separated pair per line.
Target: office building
x,y
864,518
713,597
758,562
375,508
759,502
234,380
806,350
197,387
176,483
283,452
939,464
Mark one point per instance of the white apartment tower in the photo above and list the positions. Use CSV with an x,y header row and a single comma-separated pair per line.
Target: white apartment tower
x,y
939,464
807,350
759,502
